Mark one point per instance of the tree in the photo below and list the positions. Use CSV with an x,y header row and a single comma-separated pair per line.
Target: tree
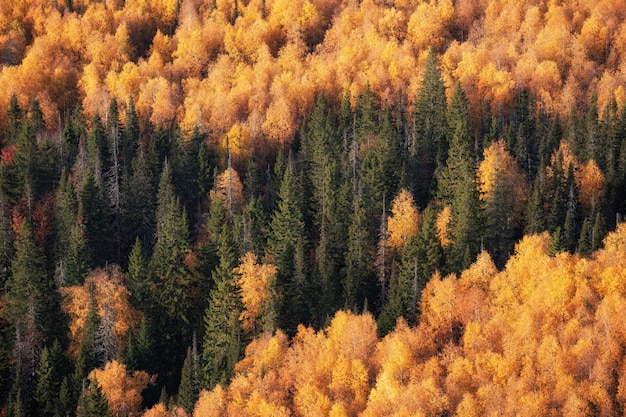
x,y
122,391
221,348
404,221
92,402
93,216
139,205
256,283
189,388
138,277
358,261
503,195
429,135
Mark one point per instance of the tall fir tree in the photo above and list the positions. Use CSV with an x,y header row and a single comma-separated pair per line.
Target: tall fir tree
x,y
189,388
222,345
92,402
429,131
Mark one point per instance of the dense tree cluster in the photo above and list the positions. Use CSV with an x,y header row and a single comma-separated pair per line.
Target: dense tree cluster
x,y
222,207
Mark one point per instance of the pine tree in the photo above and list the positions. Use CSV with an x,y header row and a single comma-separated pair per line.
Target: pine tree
x,y
429,251
28,278
168,262
535,216
130,140
599,231
92,402
6,233
222,346
45,393
15,116
139,204
367,109
138,278
93,216
358,271
404,290
429,132
97,150
584,241
188,389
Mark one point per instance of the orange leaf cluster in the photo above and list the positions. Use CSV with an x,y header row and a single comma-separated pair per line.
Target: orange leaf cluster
x,y
543,336
108,290
262,69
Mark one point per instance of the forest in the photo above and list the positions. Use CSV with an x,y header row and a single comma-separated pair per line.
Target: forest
x,y
312,208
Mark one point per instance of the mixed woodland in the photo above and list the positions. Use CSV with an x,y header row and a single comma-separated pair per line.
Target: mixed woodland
x,y
312,208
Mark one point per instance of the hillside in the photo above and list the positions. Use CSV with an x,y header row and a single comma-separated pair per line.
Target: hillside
x,y
311,207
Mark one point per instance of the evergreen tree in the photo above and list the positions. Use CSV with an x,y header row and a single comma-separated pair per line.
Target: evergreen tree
x,y
174,305
429,130
535,216
6,233
28,279
73,269
599,231
222,346
524,148
189,389
97,150
45,392
429,251
93,216
130,140
92,402
404,290
138,278
458,122
358,271
367,109
15,116
585,239
139,204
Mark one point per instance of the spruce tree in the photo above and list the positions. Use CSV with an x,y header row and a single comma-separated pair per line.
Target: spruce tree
x,y
92,402
138,277
222,346
139,204
94,216
45,392
429,132
188,390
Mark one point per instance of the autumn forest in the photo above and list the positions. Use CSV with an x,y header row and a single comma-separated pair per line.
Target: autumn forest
x,y
312,208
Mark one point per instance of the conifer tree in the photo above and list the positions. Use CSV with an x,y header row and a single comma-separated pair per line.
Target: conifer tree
x,y
92,402
138,277
139,204
358,263
93,216
222,332
404,289
6,233
429,132
45,392
188,389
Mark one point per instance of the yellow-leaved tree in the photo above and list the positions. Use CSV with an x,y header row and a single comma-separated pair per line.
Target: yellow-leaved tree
x,y
404,222
255,281
122,391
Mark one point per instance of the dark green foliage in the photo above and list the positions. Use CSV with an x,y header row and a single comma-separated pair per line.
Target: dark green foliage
x,y
222,346
535,216
404,290
429,135
6,233
189,387
94,218
139,203
92,402
138,277
28,278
